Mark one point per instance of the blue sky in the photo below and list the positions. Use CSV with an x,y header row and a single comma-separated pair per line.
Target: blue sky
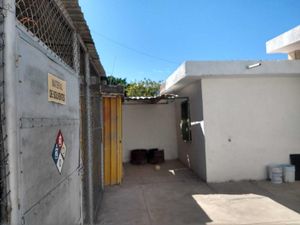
x,y
140,39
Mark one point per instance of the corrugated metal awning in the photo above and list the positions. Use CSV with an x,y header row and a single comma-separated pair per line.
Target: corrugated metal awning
x,y
160,99
77,17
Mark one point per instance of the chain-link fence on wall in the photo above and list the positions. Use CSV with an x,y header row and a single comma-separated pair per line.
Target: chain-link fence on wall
x,y
4,172
95,138
44,18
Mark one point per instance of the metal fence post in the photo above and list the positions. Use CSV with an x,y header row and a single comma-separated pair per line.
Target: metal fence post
x,y
76,55
89,140
76,63
11,106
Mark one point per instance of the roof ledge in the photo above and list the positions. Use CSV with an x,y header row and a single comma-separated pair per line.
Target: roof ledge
x,y
285,43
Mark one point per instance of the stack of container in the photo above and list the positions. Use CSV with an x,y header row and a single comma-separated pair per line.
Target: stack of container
x,y
289,173
279,173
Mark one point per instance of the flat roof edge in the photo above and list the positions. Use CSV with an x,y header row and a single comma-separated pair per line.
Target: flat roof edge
x,y
197,70
285,43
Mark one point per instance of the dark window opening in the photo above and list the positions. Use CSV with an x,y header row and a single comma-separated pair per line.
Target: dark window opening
x,y
185,123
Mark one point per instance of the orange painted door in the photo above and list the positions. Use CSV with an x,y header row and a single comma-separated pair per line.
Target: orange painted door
x,y
112,141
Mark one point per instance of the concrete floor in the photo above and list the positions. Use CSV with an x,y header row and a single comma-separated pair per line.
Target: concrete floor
x,y
175,196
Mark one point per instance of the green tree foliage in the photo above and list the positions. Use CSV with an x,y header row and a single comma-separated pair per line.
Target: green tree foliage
x,y
111,80
144,88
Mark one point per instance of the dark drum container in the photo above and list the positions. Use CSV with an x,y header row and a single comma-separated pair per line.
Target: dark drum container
x,y
138,156
156,156
295,160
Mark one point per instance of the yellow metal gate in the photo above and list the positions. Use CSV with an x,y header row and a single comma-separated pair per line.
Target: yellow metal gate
x,y
112,142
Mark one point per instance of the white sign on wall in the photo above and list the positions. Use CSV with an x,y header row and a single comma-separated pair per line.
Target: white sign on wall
x,y
56,89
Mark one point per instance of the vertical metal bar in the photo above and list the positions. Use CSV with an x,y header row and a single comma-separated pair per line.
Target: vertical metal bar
x,y
11,106
113,140
3,150
119,140
102,143
76,63
76,54
89,140
106,141
118,158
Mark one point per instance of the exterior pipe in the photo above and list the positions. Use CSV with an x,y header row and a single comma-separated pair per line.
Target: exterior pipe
x,y
89,140
11,107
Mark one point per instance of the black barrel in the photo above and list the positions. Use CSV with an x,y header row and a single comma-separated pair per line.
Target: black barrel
x,y
156,156
295,160
138,156
150,154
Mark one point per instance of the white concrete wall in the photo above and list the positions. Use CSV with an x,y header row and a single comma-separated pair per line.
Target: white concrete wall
x,y
192,154
149,126
249,123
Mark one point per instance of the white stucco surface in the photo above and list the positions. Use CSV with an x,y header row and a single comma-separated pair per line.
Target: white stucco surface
x,y
249,111
192,154
149,126
249,123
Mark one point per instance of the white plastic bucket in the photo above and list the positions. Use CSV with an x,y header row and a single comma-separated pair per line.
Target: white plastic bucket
x,y
276,177
269,170
289,173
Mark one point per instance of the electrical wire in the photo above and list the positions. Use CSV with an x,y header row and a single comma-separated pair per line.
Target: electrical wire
x,y
133,49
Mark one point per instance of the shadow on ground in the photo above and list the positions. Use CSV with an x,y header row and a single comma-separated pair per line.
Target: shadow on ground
x,y
174,195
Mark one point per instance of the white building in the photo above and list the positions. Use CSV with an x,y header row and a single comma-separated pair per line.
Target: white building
x,y
244,114
249,117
